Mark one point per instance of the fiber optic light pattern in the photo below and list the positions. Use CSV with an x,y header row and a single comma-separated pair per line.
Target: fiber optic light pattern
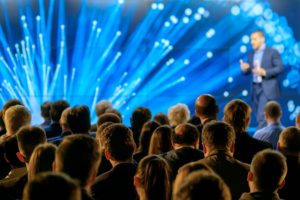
x,y
133,52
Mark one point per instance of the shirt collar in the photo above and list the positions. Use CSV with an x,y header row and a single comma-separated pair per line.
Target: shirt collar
x,y
262,49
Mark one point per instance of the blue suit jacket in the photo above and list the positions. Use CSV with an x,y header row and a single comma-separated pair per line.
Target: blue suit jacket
x,y
272,63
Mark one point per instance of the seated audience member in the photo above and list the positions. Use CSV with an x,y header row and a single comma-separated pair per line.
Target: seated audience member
x,y
266,176
57,107
79,120
115,111
144,141
289,146
41,160
152,179
271,132
28,138
105,164
185,140
298,120
118,182
101,107
161,119
237,114
63,122
178,114
50,186
138,118
45,113
206,109
18,168
161,140
15,117
218,146
108,117
202,184
78,156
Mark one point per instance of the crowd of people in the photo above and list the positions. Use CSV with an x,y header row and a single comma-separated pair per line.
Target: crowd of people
x,y
159,157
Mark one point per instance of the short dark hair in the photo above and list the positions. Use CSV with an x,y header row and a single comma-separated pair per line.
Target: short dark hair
x,y
202,182
115,111
139,116
10,103
146,134
237,113
186,134
79,119
119,142
108,117
10,151
289,141
76,156
50,186
162,119
273,109
206,105
100,133
218,134
269,169
45,109
57,108
28,138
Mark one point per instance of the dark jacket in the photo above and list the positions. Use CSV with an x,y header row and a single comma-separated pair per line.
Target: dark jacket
x,y
260,196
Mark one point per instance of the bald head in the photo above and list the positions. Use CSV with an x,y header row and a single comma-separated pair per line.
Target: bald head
x,y
206,107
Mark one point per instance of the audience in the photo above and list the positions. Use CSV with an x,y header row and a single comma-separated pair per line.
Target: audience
x,y
178,114
139,117
41,159
202,184
144,141
218,146
161,119
185,140
54,129
45,113
63,122
289,146
118,149
161,140
108,117
78,156
102,107
152,179
237,114
271,132
266,176
49,186
79,120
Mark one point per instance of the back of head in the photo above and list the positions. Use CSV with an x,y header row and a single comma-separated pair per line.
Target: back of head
x,y
57,108
206,106
161,140
140,116
102,106
162,119
28,138
79,119
237,114
79,157
273,110
100,134
218,135
115,111
146,134
64,119
119,142
108,117
269,170
153,178
41,159
178,114
16,117
10,103
185,134
289,141
202,184
10,151
45,109
49,186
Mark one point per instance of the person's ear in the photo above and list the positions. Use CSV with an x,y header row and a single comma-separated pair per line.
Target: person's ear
x,y
278,146
54,166
107,155
250,176
282,184
232,148
136,181
204,149
20,157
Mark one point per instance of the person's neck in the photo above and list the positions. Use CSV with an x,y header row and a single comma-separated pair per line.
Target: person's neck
x,y
273,121
115,163
260,48
179,146
205,118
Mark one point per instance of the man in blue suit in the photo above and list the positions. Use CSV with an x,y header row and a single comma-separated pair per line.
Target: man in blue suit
x,y
264,63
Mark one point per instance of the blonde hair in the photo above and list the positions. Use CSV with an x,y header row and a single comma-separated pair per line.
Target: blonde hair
x,y
178,114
